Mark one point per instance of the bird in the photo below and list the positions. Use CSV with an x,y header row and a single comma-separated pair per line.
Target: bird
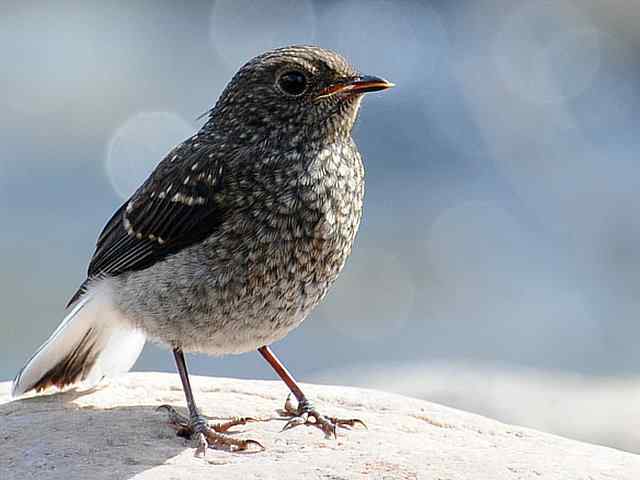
x,y
230,243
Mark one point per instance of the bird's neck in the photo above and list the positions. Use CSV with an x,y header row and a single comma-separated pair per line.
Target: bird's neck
x,y
333,125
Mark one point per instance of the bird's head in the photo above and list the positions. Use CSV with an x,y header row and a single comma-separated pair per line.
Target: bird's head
x,y
293,94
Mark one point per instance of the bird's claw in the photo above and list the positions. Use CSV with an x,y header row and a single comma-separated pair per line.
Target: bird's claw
x,y
306,414
348,422
205,435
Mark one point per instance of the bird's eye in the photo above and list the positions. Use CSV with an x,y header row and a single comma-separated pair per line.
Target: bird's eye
x,y
293,83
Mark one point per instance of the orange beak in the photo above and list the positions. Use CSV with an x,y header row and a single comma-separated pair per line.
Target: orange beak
x,y
358,85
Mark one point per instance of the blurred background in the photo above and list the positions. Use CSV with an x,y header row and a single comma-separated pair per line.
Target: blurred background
x,y
498,264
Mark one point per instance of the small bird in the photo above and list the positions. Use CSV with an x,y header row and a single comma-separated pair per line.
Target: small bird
x,y
232,240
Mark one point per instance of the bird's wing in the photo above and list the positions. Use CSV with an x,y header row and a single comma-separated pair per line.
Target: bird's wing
x,y
177,206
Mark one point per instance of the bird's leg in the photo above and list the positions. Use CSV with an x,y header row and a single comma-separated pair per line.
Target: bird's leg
x,y
197,426
305,413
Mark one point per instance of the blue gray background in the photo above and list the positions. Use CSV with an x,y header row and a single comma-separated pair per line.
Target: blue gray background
x,y
501,230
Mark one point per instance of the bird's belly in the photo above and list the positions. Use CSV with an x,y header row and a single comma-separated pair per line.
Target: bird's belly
x,y
274,293
256,321
201,305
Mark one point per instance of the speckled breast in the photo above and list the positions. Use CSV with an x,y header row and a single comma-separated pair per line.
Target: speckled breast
x,y
304,217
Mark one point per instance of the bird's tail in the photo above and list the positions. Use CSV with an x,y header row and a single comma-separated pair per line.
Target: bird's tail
x,y
92,342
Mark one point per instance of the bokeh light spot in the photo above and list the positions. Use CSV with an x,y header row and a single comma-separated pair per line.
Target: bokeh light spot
x,y
139,145
475,245
242,29
548,52
373,297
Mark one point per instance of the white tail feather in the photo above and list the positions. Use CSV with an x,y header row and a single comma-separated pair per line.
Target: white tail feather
x,y
92,342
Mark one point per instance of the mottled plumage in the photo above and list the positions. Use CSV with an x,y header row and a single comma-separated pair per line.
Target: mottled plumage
x,y
240,230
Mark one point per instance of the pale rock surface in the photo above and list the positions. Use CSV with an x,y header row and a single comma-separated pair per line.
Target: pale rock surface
x,y
114,432
590,408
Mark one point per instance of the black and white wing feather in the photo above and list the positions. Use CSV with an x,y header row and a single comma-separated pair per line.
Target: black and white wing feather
x,y
177,206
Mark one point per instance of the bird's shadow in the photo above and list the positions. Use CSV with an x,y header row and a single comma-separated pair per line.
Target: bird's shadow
x,y
52,434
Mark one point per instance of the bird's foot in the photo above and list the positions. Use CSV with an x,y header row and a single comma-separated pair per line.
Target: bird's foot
x,y
306,414
206,435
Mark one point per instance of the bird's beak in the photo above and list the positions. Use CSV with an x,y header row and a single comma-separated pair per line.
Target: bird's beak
x,y
357,85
